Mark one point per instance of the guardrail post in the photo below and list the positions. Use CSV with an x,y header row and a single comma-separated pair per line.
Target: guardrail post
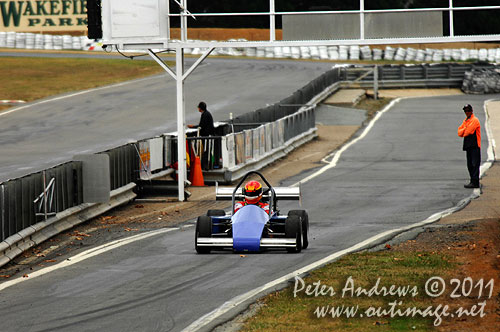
x,y
44,195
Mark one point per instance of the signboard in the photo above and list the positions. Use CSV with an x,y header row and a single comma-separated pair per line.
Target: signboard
x,y
240,147
134,22
248,144
145,162
156,153
43,15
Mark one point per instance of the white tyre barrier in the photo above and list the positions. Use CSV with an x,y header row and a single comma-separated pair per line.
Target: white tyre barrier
x,y
366,53
389,53
400,54
411,54
295,52
305,53
343,52
269,52
491,54
483,54
420,56
447,54
21,40
3,39
474,54
323,52
333,52
464,54
251,51
314,51
287,52
354,52
261,52
437,56
377,54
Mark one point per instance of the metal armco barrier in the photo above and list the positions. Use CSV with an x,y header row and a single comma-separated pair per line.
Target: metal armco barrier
x,y
17,196
248,142
423,75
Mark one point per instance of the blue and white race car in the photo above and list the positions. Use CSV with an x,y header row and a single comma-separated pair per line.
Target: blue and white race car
x,y
251,229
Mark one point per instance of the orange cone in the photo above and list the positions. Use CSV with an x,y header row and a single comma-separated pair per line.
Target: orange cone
x,y
197,173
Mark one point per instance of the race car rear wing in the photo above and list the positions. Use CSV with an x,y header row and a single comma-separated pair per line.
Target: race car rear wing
x,y
282,193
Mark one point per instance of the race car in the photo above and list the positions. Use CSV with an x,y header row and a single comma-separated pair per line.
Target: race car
x,y
250,228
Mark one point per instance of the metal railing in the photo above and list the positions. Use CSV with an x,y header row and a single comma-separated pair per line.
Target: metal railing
x,y
361,12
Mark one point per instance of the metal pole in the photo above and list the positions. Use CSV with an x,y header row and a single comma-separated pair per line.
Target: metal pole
x,y
452,31
361,19
272,21
375,82
181,134
183,21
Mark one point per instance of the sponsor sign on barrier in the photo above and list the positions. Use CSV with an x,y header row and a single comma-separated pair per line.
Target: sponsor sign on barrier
x,y
228,151
156,153
167,151
262,141
256,143
248,144
240,147
269,136
276,135
145,162
281,132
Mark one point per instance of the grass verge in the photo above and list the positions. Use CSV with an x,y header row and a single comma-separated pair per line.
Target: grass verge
x,y
297,309
31,78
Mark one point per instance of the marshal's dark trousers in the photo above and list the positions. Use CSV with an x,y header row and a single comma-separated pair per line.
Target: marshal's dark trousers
x,y
473,162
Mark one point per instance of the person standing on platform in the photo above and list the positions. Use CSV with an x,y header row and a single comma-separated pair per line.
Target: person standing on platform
x,y
207,128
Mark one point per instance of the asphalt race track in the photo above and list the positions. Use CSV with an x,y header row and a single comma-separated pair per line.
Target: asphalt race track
x,y
46,134
409,166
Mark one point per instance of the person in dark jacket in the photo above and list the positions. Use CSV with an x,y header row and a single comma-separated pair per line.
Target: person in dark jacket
x,y
206,124
470,130
207,128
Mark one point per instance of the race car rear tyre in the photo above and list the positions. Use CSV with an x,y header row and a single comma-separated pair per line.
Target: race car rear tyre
x,y
203,229
304,218
293,229
216,213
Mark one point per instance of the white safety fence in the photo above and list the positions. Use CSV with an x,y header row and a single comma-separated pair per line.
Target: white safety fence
x,y
343,52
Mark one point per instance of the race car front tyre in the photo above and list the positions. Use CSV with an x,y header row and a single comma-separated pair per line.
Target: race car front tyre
x,y
216,213
203,229
304,218
293,229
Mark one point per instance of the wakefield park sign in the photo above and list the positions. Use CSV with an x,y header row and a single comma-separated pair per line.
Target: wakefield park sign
x,y
43,15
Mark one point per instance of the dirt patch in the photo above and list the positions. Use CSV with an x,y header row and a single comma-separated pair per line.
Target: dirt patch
x,y
475,245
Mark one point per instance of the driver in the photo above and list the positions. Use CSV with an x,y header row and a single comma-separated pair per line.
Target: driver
x,y
253,195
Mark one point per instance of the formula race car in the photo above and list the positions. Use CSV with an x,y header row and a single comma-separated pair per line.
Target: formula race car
x,y
251,228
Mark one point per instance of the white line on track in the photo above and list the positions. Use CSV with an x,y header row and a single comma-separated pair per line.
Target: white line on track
x,y
337,154
88,254
77,94
227,306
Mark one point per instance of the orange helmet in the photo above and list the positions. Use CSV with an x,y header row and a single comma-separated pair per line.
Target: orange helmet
x,y
252,192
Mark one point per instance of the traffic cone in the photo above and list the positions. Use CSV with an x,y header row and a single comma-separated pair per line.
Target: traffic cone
x,y
197,173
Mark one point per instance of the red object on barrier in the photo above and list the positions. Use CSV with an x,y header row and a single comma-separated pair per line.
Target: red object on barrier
x,y
197,174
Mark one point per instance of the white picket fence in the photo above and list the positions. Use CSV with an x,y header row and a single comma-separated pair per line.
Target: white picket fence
x,y
354,52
